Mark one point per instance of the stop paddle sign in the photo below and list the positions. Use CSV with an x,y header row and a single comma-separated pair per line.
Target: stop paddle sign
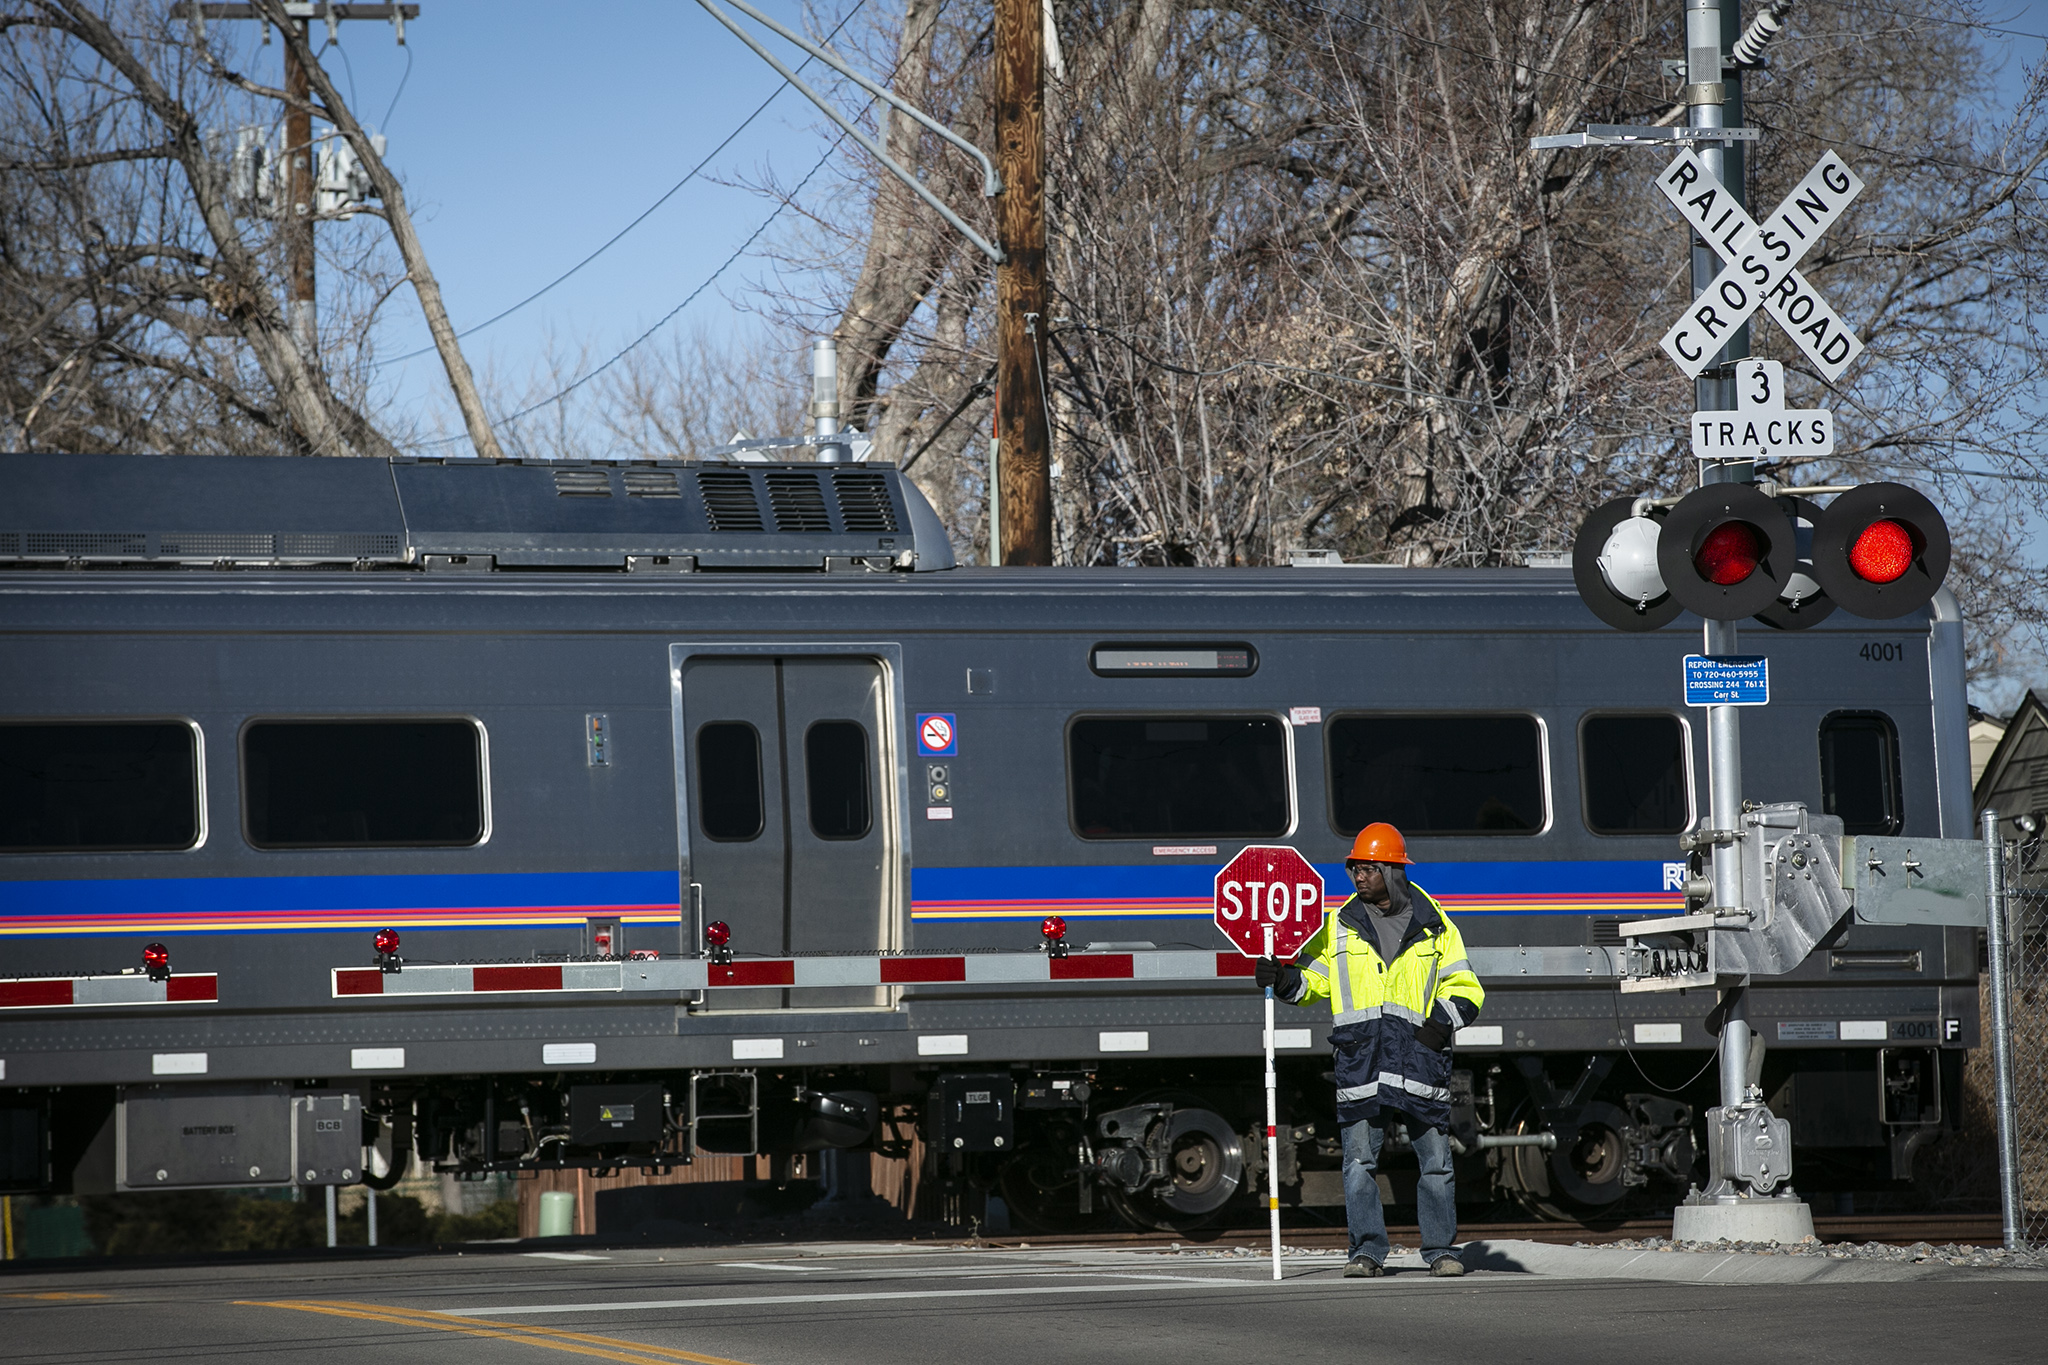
x,y
1269,887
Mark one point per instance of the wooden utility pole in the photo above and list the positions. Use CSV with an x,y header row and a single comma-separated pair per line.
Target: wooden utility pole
x,y
301,306
1024,444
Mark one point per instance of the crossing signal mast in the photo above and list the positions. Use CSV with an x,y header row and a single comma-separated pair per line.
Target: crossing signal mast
x,y
1768,881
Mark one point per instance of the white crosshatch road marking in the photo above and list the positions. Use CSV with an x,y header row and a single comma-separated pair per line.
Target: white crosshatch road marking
x,y
1761,261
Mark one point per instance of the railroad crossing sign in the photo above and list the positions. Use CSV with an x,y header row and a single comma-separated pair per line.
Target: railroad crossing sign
x,y
1269,887
1760,264
1762,427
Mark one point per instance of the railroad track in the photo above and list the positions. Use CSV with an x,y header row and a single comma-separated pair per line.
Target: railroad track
x,y
1897,1229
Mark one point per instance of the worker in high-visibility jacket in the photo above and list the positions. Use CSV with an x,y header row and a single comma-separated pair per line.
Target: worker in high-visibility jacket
x,y
1394,969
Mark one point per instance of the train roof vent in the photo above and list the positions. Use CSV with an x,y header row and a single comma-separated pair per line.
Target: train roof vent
x,y
729,502
798,500
653,483
583,483
864,506
668,515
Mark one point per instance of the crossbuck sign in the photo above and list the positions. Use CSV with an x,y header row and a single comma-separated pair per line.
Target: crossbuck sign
x,y
1760,264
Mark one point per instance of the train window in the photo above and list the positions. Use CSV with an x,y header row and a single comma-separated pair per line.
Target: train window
x,y
1634,775
1859,772
362,783
98,786
836,776
1187,661
1150,777
729,780
1437,774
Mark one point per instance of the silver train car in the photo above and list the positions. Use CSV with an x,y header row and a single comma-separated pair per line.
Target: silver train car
x,y
357,813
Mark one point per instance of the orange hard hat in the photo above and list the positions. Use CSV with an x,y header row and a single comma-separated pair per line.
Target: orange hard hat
x,y
1379,843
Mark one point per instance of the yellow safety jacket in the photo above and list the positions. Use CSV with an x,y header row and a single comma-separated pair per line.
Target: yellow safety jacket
x,y
1379,1006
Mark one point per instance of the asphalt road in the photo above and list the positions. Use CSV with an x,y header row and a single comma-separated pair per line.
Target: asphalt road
x,y
852,1305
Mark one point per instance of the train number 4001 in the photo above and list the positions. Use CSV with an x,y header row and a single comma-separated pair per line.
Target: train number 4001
x,y
1887,653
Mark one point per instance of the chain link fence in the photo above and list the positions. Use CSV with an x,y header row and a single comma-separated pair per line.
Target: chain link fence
x,y
2026,971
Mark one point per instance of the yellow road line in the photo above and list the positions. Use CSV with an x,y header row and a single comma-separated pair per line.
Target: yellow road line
x,y
52,1295
576,1343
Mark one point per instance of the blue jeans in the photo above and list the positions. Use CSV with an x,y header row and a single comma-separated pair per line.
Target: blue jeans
x,y
1436,1200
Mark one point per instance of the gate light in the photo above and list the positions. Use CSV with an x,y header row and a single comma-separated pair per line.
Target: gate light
x,y
1881,550
1614,566
156,960
1727,551
385,942
719,936
1054,930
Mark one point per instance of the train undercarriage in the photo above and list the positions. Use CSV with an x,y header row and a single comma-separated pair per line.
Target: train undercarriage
x,y
1160,1145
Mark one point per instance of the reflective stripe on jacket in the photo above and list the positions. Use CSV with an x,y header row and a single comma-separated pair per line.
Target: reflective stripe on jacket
x,y
1378,1006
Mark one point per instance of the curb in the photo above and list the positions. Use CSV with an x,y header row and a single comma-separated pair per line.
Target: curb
x,y
1694,1267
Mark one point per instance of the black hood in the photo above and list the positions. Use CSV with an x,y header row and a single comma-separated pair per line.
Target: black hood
x,y
1400,896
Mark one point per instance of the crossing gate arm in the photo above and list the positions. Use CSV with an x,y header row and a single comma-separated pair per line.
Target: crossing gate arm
x,y
122,988
679,975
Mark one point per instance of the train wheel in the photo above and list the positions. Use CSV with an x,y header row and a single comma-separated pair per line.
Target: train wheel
x,y
1204,1168
1583,1179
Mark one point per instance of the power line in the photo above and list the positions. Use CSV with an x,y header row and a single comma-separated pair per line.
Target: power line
x,y
614,239
709,280
1937,19
403,78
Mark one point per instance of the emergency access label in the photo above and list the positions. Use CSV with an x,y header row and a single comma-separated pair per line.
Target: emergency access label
x,y
1727,680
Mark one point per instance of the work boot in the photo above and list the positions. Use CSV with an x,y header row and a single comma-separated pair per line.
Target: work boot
x,y
1447,1266
1363,1268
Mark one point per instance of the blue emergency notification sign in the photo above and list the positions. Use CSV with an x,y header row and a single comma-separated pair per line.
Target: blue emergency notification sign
x,y
1727,680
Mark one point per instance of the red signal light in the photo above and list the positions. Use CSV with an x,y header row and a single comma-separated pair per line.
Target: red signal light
x,y
1053,927
717,934
1730,553
386,942
1883,553
156,960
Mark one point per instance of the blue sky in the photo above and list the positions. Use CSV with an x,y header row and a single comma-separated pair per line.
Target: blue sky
x,y
529,133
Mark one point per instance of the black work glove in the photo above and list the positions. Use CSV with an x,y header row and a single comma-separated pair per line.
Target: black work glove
x,y
1268,971
1434,1035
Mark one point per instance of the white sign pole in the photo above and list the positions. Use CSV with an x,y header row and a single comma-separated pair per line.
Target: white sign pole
x,y
1272,1124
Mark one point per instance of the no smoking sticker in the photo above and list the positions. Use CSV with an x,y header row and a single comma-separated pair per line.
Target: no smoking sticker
x,y
937,737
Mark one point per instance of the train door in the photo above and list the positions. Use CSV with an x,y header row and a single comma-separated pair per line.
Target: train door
x,y
789,809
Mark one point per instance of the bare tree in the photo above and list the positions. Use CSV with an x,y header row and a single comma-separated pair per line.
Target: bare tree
x,y
1315,289
140,291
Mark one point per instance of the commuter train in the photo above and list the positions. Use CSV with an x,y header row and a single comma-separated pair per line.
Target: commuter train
x,y
514,815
